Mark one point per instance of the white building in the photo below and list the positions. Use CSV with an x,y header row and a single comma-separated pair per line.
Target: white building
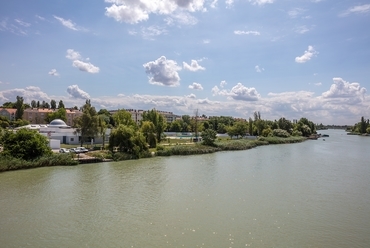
x,y
59,130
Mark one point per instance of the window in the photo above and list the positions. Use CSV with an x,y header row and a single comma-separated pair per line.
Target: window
x,y
72,139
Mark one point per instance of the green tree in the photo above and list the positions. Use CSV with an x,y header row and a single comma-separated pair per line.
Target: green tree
x,y
176,126
61,104
25,144
33,104
9,105
158,121
123,117
53,104
20,108
102,126
87,124
209,136
127,140
148,130
61,113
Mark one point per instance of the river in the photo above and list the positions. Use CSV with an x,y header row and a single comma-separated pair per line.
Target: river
x,y
311,194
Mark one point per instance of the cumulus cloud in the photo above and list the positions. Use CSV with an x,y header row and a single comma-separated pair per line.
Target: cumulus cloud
x,y
223,83
163,72
343,89
75,92
137,11
258,69
53,72
308,54
79,63
196,86
29,93
358,9
238,92
260,2
191,96
240,32
194,66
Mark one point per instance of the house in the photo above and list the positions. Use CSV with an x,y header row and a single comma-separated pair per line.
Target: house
x,y
8,113
38,115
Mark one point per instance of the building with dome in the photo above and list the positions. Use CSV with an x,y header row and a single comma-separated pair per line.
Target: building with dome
x,y
59,130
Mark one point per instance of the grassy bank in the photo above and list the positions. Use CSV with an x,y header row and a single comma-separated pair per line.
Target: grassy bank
x,y
10,163
224,145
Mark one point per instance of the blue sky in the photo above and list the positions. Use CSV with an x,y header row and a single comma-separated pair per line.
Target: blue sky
x,y
283,58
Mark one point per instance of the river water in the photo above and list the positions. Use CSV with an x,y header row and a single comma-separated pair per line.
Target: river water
x,y
311,194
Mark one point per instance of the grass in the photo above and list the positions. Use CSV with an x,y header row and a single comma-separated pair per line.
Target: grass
x,y
10,163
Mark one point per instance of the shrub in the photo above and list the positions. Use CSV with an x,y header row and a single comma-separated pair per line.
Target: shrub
x,y
280,133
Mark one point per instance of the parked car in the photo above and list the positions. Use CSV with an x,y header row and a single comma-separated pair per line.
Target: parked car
x,y
82,149
63,150
74,150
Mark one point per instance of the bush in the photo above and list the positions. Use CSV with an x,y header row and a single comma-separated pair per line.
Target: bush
x,y
280,133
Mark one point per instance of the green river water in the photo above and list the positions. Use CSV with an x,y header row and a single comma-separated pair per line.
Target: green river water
x,y
311,194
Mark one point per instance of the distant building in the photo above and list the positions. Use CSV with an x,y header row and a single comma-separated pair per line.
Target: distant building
x,y
137,115
37,115
8,113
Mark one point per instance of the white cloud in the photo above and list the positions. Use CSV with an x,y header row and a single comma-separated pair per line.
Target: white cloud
x,y
229,3
359,9
73,55
139,10
238,92
10,27
53,72
318,84
29,93
194,66
181,18
149,32
67,23
302,29
75,92
196,86
294,13
343,89
4,82
79,63
22,23
40,17
260,2
85,66
191,96
163,72
307,55
223,83
240,32
258,69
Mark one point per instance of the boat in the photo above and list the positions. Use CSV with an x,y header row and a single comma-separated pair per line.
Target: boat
x,y
325,135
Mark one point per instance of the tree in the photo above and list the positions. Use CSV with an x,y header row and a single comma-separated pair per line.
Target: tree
x,y
20,108
148,130
38,104
59,114
158,121
53,104
176,126
25,144
123,117
127,140
87,124
209,136
9,105
102,126
33,104
61,104
250,126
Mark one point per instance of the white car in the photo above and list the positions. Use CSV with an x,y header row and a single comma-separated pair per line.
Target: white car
x,y
81,149
63,150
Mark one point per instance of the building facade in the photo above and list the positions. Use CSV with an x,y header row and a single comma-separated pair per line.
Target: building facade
x,y
8,113
38,115
137,115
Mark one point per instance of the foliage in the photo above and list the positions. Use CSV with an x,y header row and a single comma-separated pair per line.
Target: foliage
x,y
128,140
20,108
209,136
280,133
158,120
25,144
61,113
11,163
148,130
267,131
187,150
61,104
123,117
87,124
102,127
297,133
285,124
53,104
278,140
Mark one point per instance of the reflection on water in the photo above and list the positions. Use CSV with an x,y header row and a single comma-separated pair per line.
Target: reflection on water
x,y
312,194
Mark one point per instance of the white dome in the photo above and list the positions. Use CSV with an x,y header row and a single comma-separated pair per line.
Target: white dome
x,y
58,123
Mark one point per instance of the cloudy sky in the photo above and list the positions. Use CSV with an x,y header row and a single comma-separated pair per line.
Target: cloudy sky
x,y
283,58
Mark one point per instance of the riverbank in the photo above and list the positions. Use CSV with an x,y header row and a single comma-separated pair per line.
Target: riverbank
x,y
9,163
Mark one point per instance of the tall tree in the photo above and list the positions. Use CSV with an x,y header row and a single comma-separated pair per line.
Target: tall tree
x,y
61,104
158,120
87,123
33,104
20,108
123,117
53,104
38,104
102,126
148,130
59,114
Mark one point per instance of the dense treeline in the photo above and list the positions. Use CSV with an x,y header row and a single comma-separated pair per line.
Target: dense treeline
x,y
362,127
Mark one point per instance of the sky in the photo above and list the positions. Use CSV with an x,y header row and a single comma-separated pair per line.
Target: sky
x,y
283,58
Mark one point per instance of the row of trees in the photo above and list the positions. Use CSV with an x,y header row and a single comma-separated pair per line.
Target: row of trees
x,y
362,127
